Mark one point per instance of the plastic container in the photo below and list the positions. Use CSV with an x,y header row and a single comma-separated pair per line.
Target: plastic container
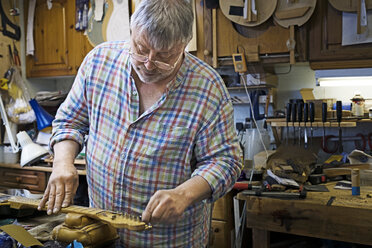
x,y
7,156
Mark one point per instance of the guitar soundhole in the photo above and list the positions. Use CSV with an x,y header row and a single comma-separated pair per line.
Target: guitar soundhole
x,y
253,32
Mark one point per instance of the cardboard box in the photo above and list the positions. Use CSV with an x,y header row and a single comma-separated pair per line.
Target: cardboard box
x,y
308,96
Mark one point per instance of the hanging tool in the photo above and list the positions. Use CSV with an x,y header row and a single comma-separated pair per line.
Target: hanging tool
x,y
300,107
306,119
6,22
288,119
324,119
339,118
312,117
294,113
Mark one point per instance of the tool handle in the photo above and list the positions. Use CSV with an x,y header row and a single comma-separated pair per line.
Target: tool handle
x,y
312,111
324,112
294,112
306,112
288,114
300,108
339,111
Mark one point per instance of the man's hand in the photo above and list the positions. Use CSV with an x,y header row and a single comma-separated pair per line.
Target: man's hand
x,y
165,206
64,180
62,185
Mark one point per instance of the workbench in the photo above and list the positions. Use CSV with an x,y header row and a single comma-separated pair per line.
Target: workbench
x,y
347,218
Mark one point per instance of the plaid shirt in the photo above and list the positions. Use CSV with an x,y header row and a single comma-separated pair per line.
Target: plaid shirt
x,y
189,131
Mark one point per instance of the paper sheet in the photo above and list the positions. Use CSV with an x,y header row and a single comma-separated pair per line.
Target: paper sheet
x,y
30,47
349,29
21,235
98,10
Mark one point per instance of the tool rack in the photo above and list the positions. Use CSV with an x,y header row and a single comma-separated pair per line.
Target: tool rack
x,y
278,123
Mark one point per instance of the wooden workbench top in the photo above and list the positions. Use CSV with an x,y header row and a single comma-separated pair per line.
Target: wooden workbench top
x,y
347,218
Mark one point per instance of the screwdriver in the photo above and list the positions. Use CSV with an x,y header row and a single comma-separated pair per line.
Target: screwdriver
x,y
312,116
339,118
299,119
294,113
324,119
288,118
306,119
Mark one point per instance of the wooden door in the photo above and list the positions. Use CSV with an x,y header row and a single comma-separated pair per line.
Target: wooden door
x,y
59,48
325,49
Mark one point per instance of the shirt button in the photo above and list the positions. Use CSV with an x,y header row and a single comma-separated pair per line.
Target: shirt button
x,y
134,93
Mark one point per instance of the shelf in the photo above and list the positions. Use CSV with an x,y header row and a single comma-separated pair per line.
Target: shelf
x,y
283,123
252,87
45,168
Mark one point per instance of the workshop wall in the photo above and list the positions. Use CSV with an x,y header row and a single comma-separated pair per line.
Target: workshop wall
x,y
5,41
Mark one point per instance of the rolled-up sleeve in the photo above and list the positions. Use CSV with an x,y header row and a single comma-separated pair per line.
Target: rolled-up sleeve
x,y
218,153
72,120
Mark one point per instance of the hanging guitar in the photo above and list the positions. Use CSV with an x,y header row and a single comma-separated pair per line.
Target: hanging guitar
x,y
116,219
248,12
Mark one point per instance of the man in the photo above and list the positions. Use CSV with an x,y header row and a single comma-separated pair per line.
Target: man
x,y
161,140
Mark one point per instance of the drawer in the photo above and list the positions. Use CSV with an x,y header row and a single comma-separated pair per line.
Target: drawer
x,y
221,236
35,181
222,208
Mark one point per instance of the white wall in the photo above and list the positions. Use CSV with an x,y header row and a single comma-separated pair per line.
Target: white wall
x,y
302,76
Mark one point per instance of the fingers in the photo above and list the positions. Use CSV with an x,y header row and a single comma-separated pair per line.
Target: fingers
x,y
58,194
163,207
147,214
44,199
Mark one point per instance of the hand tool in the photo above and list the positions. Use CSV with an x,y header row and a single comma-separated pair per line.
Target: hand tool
x,y
324,119
306,119
288,119
294,113
283,195
339,118
312,116
299,119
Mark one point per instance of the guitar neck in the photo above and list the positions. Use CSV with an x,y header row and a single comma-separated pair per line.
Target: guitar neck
x,y
116,219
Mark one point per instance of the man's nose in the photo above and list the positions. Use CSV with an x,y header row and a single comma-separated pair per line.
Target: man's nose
x,y
149,64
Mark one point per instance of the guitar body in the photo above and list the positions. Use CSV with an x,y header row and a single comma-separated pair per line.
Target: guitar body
x,y
116,23
348,5
296,13
113,26
265,9
94,30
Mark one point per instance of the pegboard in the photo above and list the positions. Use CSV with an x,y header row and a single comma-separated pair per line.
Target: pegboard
x,y
5,41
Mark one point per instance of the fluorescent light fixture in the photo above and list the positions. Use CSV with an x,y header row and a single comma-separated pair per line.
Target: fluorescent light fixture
x,y
344,77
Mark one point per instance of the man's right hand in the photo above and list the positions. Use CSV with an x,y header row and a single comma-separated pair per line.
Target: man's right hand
x,y
62,185
64,180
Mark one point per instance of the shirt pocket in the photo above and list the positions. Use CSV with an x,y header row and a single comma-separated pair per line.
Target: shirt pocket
x,y
171,142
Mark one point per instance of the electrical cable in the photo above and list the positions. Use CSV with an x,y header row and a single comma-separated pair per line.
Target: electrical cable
x,y
254,120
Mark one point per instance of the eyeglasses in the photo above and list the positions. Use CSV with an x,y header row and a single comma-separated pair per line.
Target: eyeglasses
x,y
159,64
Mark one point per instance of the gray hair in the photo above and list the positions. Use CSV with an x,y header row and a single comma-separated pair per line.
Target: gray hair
x,y
164,22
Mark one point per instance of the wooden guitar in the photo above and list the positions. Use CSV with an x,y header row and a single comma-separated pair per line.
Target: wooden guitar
x,y
116,219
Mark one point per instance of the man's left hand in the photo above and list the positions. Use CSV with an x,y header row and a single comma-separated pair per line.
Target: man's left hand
x,y
165,206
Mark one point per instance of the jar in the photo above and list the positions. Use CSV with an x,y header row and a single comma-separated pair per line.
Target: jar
x,y
358,105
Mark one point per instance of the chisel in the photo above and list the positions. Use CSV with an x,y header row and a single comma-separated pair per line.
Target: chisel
x,y
324,119
339,118
306,119
288,119
299,119
294,113
312,117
